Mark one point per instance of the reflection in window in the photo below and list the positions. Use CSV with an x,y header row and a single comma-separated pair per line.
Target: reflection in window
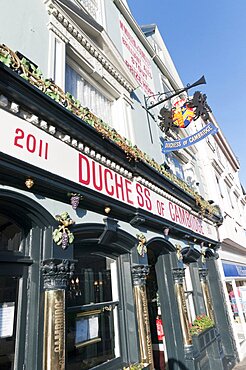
x,y
189,295
175,165
10,235
92,316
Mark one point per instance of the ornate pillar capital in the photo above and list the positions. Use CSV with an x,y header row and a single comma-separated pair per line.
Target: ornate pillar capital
x,y
139,274
203,273
178,275
56,273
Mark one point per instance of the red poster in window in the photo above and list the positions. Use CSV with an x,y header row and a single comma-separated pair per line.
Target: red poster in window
x,y
159,328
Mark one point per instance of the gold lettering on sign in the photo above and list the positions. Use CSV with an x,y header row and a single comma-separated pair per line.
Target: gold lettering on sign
x,y
146,323
179,289
143,325
207,299
54,330
59,326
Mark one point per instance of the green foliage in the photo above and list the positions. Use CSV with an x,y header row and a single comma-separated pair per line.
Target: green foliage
x,y
5,59
70,237
200,324
63,216
33,74
141,247
134,367
58,234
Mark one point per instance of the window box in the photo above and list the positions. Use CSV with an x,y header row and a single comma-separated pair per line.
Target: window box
x,y
204,339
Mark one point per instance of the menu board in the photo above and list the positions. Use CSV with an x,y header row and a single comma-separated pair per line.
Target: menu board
x,y
86,329
7,312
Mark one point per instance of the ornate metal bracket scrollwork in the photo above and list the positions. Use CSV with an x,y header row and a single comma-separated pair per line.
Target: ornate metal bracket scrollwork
x,y
108,308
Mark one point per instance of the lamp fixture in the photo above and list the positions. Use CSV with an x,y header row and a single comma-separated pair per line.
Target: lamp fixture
x,y
107,209
166,231
29,183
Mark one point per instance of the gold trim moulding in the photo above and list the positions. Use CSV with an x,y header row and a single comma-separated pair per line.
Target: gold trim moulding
x,y
88,313
92,341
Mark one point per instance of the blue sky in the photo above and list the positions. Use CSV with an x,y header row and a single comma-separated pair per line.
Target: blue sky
x,y
207,38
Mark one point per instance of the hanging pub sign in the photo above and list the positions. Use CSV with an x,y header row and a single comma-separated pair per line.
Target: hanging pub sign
x,y
184,111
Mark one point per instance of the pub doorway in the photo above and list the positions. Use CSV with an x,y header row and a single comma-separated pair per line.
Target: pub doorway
x,y
155,314
101,321
11,284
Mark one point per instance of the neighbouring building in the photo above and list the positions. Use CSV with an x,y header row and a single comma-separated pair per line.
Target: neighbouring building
x,y
223,187
107,250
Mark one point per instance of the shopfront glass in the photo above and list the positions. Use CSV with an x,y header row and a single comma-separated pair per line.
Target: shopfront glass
x,y
237,296
8,309
92,313
10,242
235,275
157,325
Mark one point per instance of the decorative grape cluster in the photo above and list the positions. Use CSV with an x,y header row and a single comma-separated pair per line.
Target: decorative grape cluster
x,y
64,242
75,199
62,235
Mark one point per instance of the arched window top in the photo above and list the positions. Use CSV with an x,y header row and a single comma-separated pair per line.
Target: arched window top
x,y
10,234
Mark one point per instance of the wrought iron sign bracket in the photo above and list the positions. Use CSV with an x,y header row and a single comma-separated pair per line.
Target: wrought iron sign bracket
x,y
201,81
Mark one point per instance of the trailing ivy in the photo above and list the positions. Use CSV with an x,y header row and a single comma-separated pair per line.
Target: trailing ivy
x,y
34,76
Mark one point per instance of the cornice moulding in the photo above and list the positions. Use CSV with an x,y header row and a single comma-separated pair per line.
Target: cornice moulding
x,y
70,30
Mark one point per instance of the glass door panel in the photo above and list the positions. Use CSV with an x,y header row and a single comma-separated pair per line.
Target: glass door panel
x,y
8,308
92,313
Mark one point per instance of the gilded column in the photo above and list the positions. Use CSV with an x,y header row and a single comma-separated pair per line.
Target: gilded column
x,y
139,273
178,274
203,273
56,273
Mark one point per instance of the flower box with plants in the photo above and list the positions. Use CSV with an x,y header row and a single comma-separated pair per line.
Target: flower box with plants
x,y
202,331
136,366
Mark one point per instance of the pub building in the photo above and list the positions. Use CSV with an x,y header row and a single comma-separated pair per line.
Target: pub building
x,y
98,250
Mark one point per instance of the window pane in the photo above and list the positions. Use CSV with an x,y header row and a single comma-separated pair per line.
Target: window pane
x,y
90,338
175,165
8,308
10,235
91,282
88,95
92,318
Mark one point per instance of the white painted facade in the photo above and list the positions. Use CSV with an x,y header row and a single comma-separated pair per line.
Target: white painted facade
x,y
96,53
220,173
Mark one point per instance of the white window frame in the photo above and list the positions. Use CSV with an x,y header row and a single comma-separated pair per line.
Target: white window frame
x,y
74,65
57,57
77,68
